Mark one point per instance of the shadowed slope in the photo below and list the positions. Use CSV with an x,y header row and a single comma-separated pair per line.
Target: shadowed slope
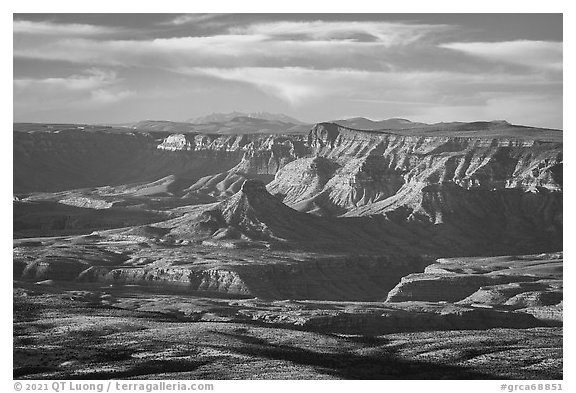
x,y
253,214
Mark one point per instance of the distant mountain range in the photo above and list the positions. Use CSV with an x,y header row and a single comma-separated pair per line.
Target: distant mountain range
x,y
225,117
362,123
237,123
475,129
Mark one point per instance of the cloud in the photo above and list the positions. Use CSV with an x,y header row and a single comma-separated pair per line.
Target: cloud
x,y
46,28
216,51
297,85
316,66
317,44
93,87
291,84
104,96
91,79
385,33
191,18
535,54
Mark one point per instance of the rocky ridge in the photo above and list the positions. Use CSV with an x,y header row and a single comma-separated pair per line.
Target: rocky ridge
x,y
334,236
379,192
529,283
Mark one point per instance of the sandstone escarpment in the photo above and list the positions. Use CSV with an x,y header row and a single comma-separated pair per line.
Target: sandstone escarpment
x,y
208,280
262,273
531,282
487,188
63,160
49,161
492,182
397,194
254,217
262,158
448,288
327,278
176,142
371,167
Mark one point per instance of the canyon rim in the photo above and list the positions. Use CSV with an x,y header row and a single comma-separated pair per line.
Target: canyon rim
x,y
288,196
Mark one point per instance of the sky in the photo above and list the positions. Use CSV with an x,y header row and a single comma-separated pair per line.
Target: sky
x,y
117,68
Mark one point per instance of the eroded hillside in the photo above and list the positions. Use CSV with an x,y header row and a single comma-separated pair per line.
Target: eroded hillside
x,y
367,236
458,195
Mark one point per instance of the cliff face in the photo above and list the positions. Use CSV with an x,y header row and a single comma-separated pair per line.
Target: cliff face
x,y
64,160
386,203
355,168
478,184
528,283
342,167
254,218
497,193
244,272
261,159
